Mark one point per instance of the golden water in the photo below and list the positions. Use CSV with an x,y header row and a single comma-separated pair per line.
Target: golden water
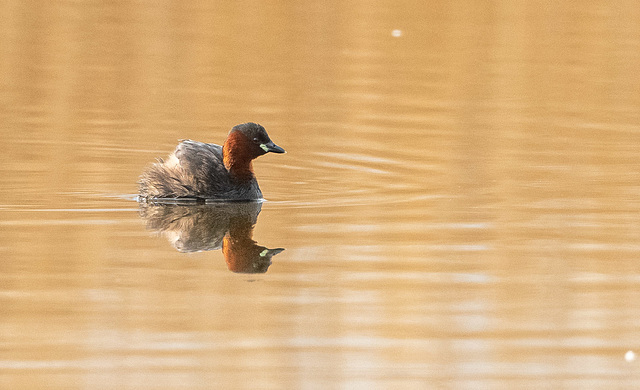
x,y
459,204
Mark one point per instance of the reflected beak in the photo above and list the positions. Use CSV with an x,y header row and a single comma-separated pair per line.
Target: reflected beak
x,y
271,147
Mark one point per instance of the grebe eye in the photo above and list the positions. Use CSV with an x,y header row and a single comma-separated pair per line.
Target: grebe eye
x,y
256,140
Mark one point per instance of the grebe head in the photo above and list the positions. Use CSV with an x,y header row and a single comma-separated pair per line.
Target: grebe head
x,y
244,143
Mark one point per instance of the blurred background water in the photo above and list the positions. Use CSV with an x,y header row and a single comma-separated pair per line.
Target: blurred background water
x,y
458,207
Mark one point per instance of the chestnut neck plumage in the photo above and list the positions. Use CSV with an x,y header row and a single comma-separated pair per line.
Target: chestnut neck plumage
x,y
237,156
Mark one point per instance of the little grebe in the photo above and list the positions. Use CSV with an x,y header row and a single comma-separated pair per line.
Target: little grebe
x,y
208,171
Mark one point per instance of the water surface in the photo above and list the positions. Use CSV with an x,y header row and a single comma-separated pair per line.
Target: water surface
x,y
458,205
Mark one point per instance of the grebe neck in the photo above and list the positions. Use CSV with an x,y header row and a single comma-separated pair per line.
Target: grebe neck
x,y
237,156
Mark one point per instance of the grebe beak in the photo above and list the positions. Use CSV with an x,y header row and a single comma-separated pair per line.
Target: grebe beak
x,y
271,147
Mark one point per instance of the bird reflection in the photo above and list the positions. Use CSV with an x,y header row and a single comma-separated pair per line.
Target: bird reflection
x,y
204,227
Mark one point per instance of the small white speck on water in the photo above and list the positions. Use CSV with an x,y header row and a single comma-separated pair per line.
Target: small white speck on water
x,y
396,33
630,356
